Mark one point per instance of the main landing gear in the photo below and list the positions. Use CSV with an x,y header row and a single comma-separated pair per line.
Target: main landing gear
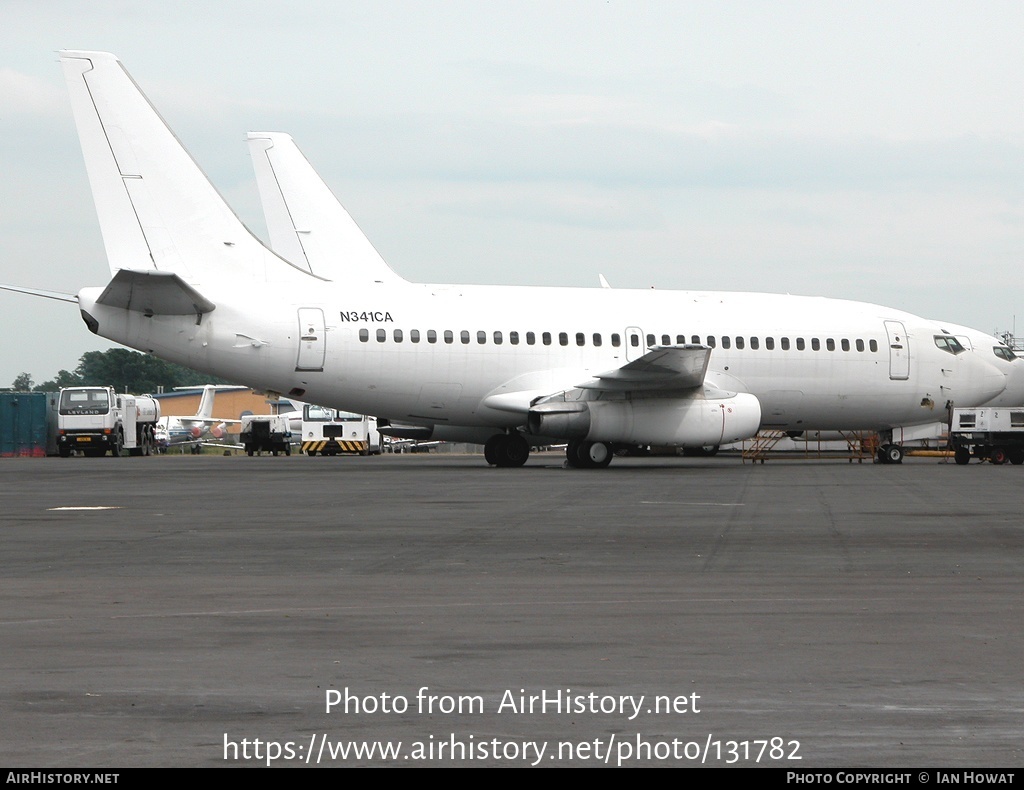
x,y
506,450
581,454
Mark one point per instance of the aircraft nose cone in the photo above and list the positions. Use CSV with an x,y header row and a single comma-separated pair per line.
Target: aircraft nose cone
x,y
984,382
1012,393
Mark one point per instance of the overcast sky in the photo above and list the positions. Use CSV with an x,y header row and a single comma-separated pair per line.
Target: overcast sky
x,y
870,151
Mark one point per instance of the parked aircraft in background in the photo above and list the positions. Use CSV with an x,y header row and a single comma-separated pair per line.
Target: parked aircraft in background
x,y
510,366
197,429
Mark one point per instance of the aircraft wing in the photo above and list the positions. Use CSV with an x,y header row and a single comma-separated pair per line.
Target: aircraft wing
x,y
674,368
663,369
154,293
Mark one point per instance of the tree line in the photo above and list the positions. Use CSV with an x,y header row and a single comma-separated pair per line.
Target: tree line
x,y
124,370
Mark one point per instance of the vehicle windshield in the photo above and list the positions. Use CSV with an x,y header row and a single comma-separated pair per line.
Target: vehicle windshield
x,y
1004,353
84,402
318,414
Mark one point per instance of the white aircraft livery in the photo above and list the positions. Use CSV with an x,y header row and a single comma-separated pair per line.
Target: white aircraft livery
x,y
507,366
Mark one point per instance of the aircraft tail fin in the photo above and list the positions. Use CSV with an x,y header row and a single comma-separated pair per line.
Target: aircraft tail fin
x,y
157,209
206,402
308,225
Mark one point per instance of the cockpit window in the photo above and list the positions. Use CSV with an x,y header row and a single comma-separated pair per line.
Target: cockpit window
x,y
949,344
1004,353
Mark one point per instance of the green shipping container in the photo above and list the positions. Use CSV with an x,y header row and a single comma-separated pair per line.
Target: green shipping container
x,y
23,424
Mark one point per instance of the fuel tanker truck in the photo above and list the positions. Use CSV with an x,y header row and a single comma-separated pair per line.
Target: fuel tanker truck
x,y
93,420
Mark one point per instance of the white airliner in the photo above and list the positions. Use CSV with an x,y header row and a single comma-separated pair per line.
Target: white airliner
x,y
198,428
507,365
308,225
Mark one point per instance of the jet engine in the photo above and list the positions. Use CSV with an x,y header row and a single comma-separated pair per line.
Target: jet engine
x,y
710,418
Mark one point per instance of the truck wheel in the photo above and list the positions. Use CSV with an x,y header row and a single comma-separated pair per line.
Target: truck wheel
x,y
962,456
287,449
248,451
64,451
997,455
1016,456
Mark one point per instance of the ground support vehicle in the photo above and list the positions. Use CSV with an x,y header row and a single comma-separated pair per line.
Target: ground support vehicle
x,y
330,432
265,432
95,420
994,434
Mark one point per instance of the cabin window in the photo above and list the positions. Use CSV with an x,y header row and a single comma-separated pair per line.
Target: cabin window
x,y
449,336
800,345
497,338
784,343
666,340
546,338
726,341
695,340
634,341
860,344
755,343
581,339
769,343
364,335
711,341
616,340
597,340
431,336
481,337
414,336
846,344
531,339
830,344
651,341
398,335
513,338
680,340
815,344
563,339
873,345
739,342
464,336
382,335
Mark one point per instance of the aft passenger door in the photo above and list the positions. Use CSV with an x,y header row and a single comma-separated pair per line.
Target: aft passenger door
x,y
899,350
312,339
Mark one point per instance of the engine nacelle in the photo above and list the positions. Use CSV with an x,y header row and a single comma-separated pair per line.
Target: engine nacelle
x,y
682,422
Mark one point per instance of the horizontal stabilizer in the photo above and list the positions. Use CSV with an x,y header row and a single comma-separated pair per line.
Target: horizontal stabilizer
x,y
154,293
674,368
61,297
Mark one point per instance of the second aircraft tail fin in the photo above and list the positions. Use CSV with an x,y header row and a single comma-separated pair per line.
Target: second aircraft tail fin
x,y
308,225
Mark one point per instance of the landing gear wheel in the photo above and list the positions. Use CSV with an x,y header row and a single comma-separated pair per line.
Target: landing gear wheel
x,y
962,456
890,454
513,451
572,456
595,455
491,448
